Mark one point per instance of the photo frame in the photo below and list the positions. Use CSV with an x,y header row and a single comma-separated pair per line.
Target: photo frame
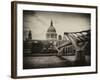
x,y
50,39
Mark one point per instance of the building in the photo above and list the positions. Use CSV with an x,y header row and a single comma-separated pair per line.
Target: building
x,y
30,35
51,32
55,44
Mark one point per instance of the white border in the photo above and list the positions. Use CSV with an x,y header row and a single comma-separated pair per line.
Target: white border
x,y
48,71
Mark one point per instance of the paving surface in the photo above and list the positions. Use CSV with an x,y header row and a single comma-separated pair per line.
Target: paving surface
x,y
31,62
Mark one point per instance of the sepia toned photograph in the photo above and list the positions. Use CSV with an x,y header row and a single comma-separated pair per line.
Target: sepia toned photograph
x,y
56,39
53,39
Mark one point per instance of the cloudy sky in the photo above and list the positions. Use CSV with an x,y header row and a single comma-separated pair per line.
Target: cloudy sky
x,y
38,22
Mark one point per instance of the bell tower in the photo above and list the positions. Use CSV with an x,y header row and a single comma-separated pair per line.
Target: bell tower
x,y
30,35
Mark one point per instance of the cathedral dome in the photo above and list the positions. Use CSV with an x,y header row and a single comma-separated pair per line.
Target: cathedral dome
x,y
51,28
51,33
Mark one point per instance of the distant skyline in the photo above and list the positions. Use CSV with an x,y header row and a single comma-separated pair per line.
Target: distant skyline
x,y
39,22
